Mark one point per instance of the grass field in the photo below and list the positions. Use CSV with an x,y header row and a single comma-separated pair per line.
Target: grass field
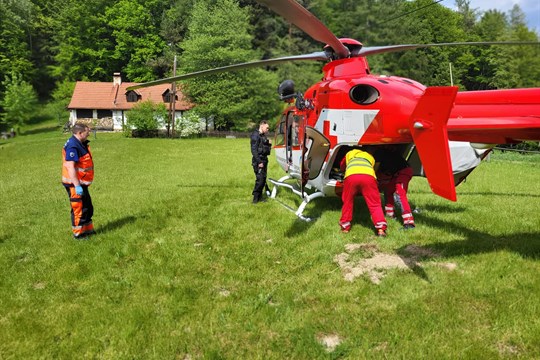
x,y
185,267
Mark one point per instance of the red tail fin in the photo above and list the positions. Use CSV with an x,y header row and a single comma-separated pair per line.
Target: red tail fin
x,y
428,128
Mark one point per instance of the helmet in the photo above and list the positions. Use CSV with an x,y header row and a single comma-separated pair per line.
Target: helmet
x,y
286,90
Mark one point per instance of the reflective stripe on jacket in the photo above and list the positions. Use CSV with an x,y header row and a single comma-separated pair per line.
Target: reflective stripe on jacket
x,y
84,169
359,162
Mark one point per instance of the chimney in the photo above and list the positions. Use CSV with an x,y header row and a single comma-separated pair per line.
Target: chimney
x,y
117,79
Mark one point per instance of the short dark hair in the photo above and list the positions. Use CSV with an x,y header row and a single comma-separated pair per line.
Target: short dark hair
x,y
79,127
263,122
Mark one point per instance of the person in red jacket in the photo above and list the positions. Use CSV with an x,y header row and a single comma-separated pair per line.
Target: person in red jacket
x,y
360,178
394,174
77,175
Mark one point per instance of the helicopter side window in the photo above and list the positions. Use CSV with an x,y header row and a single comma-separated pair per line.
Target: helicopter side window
x,y
293,132
280,133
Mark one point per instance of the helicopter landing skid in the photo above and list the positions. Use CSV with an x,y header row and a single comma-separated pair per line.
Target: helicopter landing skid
x,y
307,197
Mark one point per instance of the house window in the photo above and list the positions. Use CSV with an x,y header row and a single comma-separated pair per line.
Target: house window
x,y
132,96
85,114
104,114
167,96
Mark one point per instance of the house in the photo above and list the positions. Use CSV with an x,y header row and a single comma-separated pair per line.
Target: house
x,y
105,104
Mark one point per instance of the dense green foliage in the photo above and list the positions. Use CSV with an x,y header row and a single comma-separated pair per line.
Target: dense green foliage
x,y
50,42
146,118
18,102
236,99
185,267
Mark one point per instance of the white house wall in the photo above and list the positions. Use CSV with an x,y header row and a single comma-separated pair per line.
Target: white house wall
x,y
119,117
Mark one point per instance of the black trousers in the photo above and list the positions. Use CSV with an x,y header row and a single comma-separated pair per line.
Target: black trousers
x,y
260,180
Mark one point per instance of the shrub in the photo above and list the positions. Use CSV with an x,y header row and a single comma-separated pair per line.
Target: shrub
x,y
18,103
145,119
189,125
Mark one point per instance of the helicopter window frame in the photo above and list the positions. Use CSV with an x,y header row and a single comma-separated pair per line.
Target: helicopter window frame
x,y
293,131
317,148
279,139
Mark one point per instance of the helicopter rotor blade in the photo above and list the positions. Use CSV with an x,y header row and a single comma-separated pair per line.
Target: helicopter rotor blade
x,y
373,50
319,55
297,15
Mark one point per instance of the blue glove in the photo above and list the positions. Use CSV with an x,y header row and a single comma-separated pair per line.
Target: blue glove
x,y
79,190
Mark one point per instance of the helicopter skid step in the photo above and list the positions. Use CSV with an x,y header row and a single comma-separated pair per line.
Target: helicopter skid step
x,y
307,197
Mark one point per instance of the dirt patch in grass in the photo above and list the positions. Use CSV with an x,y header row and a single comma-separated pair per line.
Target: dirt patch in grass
x,y
367,260
329,341
506,349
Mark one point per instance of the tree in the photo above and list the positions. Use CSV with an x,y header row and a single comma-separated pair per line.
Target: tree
x,y
15,54
519,66
19,101
136,38
468,14
82,41
423,25
61,97
219,36
481,66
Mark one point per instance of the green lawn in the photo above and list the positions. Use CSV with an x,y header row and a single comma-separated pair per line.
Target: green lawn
x,y
185,267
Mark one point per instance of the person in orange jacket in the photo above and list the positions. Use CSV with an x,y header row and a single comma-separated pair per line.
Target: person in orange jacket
x,y
77,175
360,178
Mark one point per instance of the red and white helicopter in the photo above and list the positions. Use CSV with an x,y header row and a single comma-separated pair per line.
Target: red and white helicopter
x,y
350,108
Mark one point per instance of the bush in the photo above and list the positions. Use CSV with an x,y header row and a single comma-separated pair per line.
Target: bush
x,y
145,118
189,125
18,103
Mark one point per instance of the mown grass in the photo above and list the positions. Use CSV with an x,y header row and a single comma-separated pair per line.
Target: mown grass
x,y
185,267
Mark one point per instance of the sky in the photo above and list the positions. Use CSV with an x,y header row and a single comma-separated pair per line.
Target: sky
x,y
531,8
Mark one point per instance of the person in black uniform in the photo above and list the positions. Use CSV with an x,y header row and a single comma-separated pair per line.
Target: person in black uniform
x,y
260,149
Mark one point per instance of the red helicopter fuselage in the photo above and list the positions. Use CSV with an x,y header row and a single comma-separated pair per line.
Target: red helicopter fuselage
x,y
351,108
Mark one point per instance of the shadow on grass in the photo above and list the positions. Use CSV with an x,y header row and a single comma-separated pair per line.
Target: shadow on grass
x,y
440,209
298,227
116,224
313,211
526,244
492,193
318,207
482,193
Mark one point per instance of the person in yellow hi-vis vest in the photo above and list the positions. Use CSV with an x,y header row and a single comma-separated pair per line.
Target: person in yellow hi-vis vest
x,y
77,175
360,178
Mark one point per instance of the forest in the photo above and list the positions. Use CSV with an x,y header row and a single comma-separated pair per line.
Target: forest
x,y
48,45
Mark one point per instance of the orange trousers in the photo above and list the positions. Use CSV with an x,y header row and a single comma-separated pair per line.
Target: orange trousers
x,y
82,211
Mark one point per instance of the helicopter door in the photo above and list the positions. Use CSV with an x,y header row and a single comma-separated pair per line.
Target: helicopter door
x,y
316,149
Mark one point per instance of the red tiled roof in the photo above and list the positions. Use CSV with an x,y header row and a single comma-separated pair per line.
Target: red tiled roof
x,y
105,95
